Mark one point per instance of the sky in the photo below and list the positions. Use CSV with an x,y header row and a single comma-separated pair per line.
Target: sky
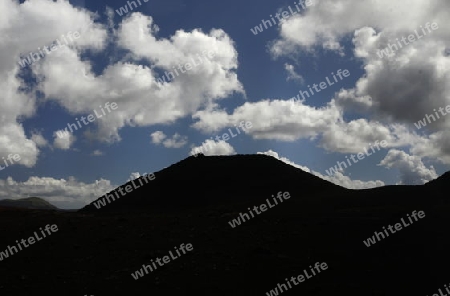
x,y
354,92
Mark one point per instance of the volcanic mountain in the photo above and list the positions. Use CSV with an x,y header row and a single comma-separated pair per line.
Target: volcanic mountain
x,y
220,180
101,251
203,181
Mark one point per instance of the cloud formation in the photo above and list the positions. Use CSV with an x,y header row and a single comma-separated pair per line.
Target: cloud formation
x,y
176,141
412,170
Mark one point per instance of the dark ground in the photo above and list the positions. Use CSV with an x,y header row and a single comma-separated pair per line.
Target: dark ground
x,y
94,252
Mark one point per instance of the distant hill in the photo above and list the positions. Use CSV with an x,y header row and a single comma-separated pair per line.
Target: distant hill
x,y
34,203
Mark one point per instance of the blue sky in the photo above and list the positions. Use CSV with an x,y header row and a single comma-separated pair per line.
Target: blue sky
x,y
249,78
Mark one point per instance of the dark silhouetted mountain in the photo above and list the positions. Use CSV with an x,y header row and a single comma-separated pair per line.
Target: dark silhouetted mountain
x,y
209,180
35,203
193,201
227,180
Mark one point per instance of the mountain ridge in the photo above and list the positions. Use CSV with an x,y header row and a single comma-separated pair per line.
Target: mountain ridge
x,y
258,176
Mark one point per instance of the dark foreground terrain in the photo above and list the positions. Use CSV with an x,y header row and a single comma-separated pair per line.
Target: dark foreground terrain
x,y
95,251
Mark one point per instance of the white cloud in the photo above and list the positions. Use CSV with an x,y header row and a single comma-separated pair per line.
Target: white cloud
x,y
141,99
211,147
157,137
292,75
396,90
39,140
354,136
63,142
176,141
67,79
293,120
327,22
412,170
25,27
277,119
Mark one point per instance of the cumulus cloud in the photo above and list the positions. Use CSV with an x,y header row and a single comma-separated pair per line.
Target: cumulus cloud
x,y
326,23
374,26
293,120
338,178
412,170
435,146
272,119
176,141
133,84
39,140
63,140
211,147
157,137
26,27
399,89
68,79
354,136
